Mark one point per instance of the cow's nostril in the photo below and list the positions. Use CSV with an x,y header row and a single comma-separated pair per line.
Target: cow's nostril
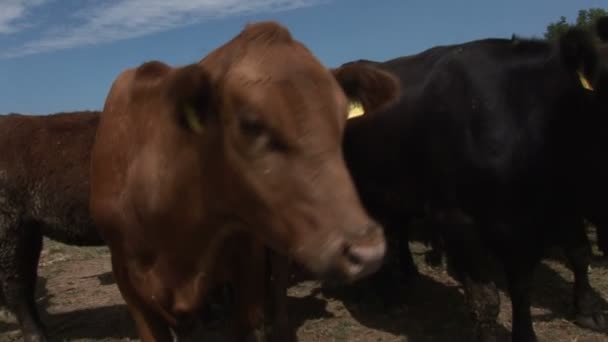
x,y
363,255
352,256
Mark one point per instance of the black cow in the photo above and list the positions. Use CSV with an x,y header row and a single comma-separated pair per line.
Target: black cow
x,y
412,71
44,191
491,138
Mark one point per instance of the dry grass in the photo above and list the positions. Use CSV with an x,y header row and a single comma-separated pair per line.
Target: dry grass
x,y
80,302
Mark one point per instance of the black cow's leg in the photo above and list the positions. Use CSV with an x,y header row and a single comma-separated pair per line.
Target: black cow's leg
x,y
519,281
483,303
397,229
434,257
20,247
406,260
399,266
470,261
578,251
396,225
601,231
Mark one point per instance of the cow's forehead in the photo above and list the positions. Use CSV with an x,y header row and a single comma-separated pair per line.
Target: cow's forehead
x,y
300,78
280,61
292,98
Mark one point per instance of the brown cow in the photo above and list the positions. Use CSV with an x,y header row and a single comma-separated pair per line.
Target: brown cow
x,y
193,166
44,191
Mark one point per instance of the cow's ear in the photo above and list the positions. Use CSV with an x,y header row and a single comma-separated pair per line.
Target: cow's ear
x,y
192,94
371,87
601,28
579,54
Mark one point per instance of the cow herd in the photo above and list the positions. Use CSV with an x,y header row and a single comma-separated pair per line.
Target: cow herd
x,y
233,169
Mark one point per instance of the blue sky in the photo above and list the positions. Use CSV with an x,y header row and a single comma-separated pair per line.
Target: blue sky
x,y
62,55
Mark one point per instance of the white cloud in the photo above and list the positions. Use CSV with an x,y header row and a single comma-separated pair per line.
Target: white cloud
x,y
11,13
124,19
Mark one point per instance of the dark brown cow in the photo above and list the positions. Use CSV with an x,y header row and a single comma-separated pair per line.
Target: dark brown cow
x,y
44,191
193,166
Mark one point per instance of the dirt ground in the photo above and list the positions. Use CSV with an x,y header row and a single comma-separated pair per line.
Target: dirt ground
x,y
80,302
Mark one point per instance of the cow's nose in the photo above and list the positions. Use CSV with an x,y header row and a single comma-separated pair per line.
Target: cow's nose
x,y
365,255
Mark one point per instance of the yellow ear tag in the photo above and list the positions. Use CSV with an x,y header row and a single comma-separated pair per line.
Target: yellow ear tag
x,y
194,122
355,108
584,82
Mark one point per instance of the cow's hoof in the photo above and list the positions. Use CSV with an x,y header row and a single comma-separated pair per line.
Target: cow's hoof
x,y
595,321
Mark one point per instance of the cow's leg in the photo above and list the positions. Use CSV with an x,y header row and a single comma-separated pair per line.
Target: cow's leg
x,y
483,303
434,257
469,260
279,283
601,231
400,225
20,247
397,228
249,289
405,254
150,326
578,251
399,269
519,274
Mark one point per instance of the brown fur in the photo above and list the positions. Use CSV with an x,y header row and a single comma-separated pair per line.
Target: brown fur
x,y
185,209
44,191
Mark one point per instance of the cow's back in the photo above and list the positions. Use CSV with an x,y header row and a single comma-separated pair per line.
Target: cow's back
x,y
44,172
492,112
472,117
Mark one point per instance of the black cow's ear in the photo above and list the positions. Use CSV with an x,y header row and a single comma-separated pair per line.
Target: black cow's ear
x,y
601,28
371,87
580,55
192,93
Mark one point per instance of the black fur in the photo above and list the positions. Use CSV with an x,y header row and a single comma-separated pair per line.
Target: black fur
x,y
488,141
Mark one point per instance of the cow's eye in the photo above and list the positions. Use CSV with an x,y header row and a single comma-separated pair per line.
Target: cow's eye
x,y
259,137
251,128
277,145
